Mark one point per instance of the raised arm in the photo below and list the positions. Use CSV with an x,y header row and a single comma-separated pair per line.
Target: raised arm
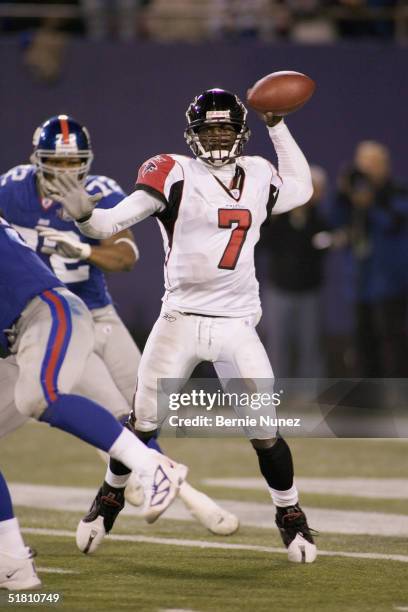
x,y
295,185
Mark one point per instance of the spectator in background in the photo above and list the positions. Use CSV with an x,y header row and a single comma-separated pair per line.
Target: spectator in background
x,y
293,246
119,18
366,18
45,50
238,19
374,210
28,16
310,22
44,31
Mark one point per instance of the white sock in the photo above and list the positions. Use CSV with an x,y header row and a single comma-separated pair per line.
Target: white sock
x,y
11,540
281,499
128,449
115,480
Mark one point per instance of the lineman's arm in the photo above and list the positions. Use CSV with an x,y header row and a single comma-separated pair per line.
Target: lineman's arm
x,y
296,182
116,254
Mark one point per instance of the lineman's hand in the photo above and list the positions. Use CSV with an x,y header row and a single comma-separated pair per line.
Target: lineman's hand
x,y
63,243
73,197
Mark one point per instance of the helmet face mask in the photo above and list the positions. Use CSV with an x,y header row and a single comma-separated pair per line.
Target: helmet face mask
x,y
217,130
62,147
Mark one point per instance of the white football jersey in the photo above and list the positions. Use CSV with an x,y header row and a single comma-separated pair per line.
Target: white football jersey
x,y
210,231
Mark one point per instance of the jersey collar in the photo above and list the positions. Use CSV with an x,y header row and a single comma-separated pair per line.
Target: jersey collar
x,y
236,186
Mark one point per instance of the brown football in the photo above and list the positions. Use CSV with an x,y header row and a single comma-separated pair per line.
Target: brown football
x,y
281,92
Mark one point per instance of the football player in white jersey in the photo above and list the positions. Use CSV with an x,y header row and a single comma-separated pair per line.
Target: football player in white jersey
x,y
210,208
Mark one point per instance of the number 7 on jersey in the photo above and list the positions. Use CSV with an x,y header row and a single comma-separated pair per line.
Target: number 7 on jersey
x,y
226,217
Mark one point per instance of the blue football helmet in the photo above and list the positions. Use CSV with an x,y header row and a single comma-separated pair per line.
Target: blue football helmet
x,y
61,137
215,107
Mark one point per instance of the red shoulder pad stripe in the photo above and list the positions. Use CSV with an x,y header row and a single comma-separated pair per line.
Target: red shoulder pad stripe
x,y
155,171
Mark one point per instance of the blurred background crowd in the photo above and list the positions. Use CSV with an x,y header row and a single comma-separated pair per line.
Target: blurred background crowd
x,y
297,20
333,273
354,236
46,25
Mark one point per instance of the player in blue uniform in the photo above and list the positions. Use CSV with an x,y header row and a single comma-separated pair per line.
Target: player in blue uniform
x,y
50,331
62,147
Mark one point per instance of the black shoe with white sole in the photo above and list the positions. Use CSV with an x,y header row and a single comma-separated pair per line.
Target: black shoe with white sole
x,y
296,534
99,521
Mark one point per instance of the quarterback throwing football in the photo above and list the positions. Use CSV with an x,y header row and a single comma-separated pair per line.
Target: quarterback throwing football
x,y
210,208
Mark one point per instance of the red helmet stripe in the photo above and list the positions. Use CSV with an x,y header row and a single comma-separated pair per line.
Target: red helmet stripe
x,y
64,130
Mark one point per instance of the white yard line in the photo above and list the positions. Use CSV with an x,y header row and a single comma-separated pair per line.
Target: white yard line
x,y
215,545
377,488
71,499
55,570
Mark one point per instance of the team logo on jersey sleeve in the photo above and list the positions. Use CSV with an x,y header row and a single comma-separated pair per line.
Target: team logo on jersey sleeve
x,y
155,171
151,165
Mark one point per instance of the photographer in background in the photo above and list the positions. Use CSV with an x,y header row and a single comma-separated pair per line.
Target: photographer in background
x,y
292,250
373,209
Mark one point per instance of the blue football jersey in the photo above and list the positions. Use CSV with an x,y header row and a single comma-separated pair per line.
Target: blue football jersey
x,y
22,276
24,209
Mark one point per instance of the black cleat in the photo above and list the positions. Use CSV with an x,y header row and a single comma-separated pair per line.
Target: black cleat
x,y
106,506
296,534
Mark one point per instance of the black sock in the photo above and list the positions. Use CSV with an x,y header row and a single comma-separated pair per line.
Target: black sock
x,y
115,493
146,436
117,468
276,465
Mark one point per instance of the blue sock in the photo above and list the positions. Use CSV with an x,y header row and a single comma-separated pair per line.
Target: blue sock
x,y
84,419
6,507
153,443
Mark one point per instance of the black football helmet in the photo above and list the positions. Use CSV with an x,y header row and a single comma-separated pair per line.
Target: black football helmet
x,y
212,107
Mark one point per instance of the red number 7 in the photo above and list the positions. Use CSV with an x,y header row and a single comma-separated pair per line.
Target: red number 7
x,y
226,217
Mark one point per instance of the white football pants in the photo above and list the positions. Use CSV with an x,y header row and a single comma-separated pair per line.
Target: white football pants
x,y
111,370
178,342
108,377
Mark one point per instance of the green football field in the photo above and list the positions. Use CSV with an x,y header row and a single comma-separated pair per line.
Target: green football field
x,y
355,493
